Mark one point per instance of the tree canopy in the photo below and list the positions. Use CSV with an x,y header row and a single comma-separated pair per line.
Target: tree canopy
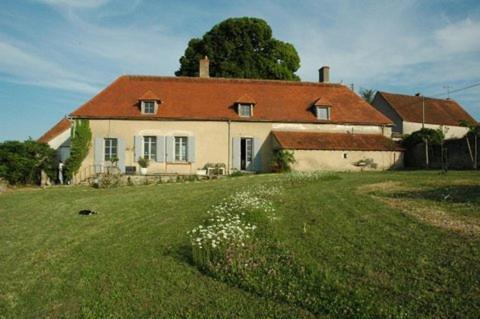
x,y
433,137
241,48
368,95
22,162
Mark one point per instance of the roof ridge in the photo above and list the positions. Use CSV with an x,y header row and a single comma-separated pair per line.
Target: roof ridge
x,y
226,80
415,96
322,132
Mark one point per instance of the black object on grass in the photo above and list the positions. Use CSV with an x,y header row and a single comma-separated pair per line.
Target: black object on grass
x,y
87,212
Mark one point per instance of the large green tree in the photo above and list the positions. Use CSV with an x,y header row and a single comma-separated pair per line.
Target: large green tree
x,y
241,48
22,162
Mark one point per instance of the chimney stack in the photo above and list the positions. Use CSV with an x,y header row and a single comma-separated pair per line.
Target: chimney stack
x,y
204,68
324,74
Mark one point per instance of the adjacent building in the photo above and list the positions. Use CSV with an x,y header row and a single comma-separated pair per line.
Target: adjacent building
x,y
411,113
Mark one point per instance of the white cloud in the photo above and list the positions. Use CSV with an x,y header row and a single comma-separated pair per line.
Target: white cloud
x,y
20,66
463,36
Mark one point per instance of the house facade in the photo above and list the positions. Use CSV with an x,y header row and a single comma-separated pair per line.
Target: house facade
x,y
184,124
411,113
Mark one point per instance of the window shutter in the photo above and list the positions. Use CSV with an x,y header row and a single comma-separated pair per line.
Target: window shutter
x,y
170,148
121,154
191,149
161,149
236,153
257,159
138,147
99,149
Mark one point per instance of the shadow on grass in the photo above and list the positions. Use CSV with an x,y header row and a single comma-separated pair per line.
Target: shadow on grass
x,y
181,253
459,194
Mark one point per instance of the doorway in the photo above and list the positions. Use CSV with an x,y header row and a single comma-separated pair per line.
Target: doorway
x,y
246,153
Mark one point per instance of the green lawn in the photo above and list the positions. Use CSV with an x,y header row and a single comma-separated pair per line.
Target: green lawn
x,y
403,240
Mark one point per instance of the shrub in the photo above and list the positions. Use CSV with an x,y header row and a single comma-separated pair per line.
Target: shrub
x,y
107,180
282,161
143,162
236,174
23,162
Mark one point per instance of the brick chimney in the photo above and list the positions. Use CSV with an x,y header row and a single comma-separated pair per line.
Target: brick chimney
x,y
204,68
324,74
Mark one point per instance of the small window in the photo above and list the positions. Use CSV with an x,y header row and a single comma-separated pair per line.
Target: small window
x,y
150,147
345,155
245,110
111,145
149,107
323,113
181,148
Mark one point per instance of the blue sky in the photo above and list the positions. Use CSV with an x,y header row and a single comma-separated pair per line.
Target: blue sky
x,y
56,54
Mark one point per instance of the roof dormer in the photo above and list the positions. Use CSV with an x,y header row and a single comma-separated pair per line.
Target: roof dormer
x,y
322,109
245,106
149,103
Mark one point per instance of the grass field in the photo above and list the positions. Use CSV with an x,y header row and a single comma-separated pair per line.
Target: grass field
x,y
403,240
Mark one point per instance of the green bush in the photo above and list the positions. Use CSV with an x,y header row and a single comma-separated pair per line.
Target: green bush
x,y
22,162
434,137
282,161
143,162
81,137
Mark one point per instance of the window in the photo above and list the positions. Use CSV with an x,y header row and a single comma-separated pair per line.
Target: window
x,y
149,107
245,110
180,148
150,147
111,149
345,155
323,113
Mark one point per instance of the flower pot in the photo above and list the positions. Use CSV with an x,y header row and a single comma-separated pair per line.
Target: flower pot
x,y
143,170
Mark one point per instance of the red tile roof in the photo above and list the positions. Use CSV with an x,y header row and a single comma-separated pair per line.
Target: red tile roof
x,y
56,130
214,99
245,99
334,141
149,96
437,111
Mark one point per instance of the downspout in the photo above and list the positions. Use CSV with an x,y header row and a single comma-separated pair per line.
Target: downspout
x,y
228,143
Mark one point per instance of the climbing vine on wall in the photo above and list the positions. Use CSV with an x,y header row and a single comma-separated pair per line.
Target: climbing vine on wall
x,y
80,143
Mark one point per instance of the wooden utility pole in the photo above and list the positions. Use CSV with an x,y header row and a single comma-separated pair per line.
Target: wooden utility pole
x,y
423,111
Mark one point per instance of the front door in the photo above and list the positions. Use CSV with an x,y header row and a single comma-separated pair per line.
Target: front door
x,y
246,153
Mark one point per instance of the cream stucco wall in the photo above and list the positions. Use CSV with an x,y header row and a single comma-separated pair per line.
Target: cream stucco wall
x,y
334,160
213,139
60,139
449,130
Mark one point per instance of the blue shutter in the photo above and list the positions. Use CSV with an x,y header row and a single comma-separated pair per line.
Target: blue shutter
x,y
257,159
138,147
99,149
161,149
191,149
170,148
121,154
236,153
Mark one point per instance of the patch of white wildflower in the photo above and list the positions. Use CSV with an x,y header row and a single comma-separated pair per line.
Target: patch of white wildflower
x,y
226,228
302,177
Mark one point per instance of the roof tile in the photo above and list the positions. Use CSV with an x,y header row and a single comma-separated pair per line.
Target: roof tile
x,y
334,141
276,101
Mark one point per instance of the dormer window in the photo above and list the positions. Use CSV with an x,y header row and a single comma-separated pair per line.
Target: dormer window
x,y
149,103
323,113
148,107
245,110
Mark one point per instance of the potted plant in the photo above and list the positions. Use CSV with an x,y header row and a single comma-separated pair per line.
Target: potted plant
x,y
143,163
